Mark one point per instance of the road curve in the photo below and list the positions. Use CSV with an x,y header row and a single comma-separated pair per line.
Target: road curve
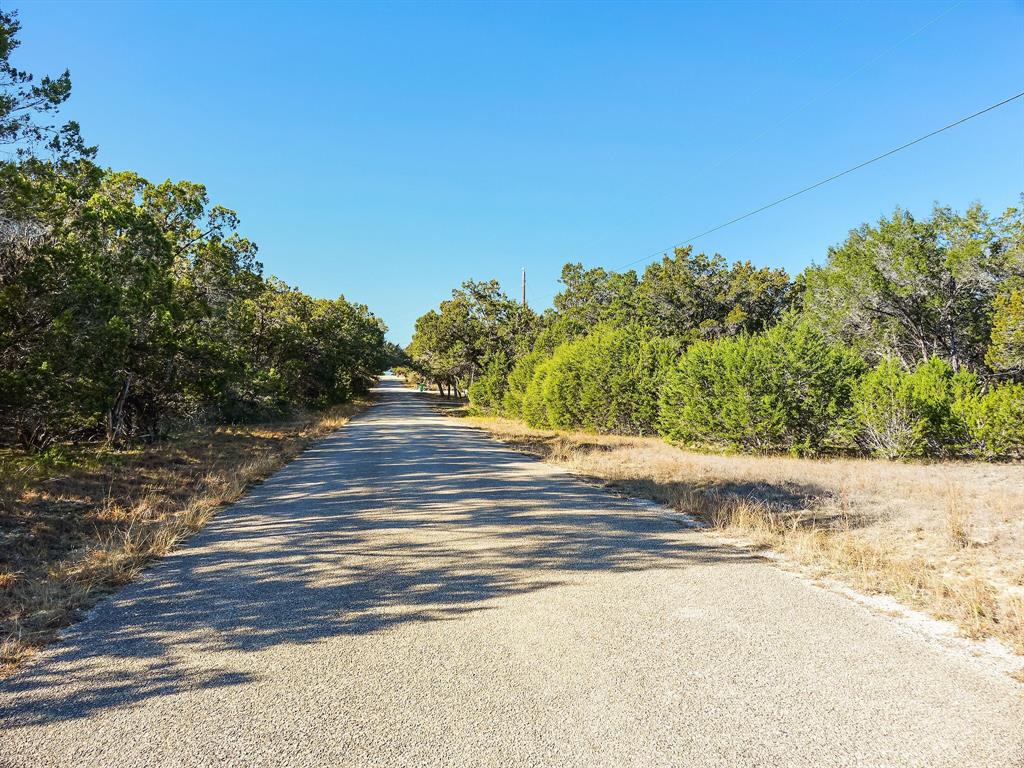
x,y
409,592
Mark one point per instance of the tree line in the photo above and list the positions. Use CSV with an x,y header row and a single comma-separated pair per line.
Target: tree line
x,y
907,342
129,307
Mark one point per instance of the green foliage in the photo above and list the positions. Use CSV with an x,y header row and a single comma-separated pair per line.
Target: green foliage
x,y
683,295
701,297
1006,352
127,307
534,405
889,424
743,357
140,306
994,421
904,414
520,377
606,381
786,389
488,390
591,297
913,289
26,101
467,333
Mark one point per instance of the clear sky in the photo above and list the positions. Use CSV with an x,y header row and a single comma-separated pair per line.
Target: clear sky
x,y
389,152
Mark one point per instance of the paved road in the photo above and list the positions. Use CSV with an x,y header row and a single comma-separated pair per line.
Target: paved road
x,y
409,592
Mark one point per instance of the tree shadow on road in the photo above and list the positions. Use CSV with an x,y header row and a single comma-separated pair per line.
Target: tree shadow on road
x,y
401,517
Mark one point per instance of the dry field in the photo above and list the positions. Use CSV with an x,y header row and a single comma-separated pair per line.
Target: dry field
x,y
77,522
945,537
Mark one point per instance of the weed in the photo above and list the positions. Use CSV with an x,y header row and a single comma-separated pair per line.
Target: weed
x,y
958,519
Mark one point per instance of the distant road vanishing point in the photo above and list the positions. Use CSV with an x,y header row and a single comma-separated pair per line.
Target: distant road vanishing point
x,y
410,592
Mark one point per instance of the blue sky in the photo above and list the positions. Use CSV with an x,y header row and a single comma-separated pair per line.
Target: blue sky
x,y
390,151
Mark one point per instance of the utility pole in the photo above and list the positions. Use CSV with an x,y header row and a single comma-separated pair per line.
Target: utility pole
x,y
524,287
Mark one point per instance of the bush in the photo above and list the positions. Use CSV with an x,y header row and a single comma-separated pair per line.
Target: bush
x,y
519,379
606,381
785,389
994,422
533,409
488,390
889,424
934,389
906,414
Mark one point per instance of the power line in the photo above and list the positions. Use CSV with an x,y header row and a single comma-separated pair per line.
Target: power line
x,y
817,97
830,178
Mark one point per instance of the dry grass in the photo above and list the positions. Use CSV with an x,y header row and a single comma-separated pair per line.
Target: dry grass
x,y
78,523
946,537
958,519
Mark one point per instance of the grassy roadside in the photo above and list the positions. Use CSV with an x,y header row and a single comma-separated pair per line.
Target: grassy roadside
x,y
946,538
78,522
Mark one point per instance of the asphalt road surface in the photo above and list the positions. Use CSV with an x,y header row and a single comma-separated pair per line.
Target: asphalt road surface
x,y
409,592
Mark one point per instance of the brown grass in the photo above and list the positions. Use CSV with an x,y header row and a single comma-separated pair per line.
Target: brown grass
x,y
77,523
958,519
947,538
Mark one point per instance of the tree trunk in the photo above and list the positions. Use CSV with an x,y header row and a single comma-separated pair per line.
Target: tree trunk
x,y
115,416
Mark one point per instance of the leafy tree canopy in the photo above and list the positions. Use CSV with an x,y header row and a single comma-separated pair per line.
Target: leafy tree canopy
x,y
913,289
26,103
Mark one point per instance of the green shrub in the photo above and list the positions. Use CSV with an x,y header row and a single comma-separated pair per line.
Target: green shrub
x,y
785,389
889,424
650,362
488,389
560,389
933,388
533,408
994,422
905,414
518,382
606,381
